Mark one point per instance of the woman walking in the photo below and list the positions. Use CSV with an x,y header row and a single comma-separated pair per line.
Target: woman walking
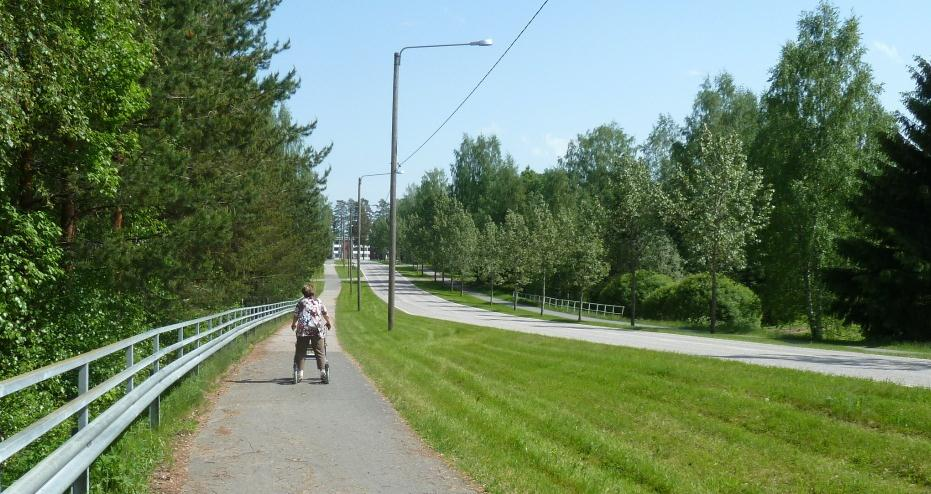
x,y
310,330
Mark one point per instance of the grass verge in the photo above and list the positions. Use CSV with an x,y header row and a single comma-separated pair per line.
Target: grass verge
x,y
128,464
527,413
772,335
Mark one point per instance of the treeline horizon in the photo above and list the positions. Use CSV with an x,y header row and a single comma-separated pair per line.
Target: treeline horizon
x,y
760,188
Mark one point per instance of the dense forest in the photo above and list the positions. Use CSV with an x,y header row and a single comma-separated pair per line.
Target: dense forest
x,y
757,209
149,172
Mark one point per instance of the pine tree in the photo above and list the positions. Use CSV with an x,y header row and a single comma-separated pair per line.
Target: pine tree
x,y
887,287
221,170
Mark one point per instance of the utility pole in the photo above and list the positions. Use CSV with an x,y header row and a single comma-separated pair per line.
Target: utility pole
x,y
359,249
349,213
393,215
393,221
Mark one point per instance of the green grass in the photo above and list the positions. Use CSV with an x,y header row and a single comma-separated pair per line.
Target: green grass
x,y
773,335
527,413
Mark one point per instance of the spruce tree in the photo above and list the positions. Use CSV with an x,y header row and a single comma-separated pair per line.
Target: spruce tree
x,y
887,287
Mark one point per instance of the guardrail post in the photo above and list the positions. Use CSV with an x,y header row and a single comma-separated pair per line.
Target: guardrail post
x,y
81,484
197,345
130,361
180,339
156,405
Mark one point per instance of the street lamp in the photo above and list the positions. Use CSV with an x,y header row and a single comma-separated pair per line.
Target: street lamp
x,y
393,216
359,238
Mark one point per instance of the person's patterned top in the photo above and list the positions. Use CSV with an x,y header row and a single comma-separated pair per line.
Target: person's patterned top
x,y
309,312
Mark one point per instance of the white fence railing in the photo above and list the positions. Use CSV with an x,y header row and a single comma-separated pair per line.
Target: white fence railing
x,y
68,466
568,305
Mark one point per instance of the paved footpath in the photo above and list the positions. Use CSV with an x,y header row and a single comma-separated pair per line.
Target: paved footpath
x,y
268,435
901,370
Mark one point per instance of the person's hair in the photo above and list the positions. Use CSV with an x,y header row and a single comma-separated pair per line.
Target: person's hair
x,y
308,290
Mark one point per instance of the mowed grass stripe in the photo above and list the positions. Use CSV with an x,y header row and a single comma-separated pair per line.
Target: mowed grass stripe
x,y
524,413
890,407
779,420
497,430
538,423
688,430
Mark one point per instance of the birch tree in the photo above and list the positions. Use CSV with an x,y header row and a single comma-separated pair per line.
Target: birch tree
x,y
820,121
457,238
546,243
515,252
488,256
720,207
635,221
583,260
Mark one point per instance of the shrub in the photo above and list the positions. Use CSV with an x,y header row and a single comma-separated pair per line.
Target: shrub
x,y
739,308
617,289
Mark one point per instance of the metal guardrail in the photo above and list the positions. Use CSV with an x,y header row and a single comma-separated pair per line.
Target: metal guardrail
x,y
68,466
567,305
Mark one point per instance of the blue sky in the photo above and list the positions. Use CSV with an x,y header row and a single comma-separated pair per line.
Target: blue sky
x,y
580,64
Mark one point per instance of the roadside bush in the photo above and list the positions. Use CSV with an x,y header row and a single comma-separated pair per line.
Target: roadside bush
x,y
617,289
739,308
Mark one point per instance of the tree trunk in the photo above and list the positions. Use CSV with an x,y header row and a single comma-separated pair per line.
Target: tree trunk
x,y
434,275
515,298
491,298
633,296
118,219
69,218
714,299
814,319
581,299
461,283
543,298
27,199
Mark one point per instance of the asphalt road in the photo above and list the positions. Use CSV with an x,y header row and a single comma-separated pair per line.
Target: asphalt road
x,y
266,434
900,370
523,305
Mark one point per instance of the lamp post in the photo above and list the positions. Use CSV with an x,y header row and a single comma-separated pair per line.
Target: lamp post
x,y
359,241
393,216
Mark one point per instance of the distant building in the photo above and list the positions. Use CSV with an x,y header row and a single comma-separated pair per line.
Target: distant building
x,y
340,251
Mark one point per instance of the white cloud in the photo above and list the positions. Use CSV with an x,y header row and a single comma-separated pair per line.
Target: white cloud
x,y
553,147
696,73
491,129
556,145
889,51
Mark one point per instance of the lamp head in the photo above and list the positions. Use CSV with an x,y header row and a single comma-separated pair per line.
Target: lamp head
x,y
482,42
